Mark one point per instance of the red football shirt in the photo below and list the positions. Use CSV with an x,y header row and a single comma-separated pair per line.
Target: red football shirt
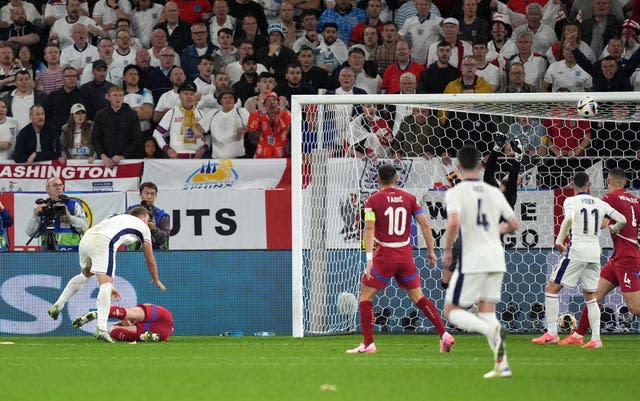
x,y
394,210
625,243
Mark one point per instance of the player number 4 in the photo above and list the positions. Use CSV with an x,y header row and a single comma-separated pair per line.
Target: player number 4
x,y
481,218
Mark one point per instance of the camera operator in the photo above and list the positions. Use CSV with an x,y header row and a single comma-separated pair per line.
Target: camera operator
x,y
6,221
59,221
160,222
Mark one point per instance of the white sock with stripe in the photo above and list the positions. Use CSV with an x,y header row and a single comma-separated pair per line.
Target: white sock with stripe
x,y
552,309
593,310
470,322
103,303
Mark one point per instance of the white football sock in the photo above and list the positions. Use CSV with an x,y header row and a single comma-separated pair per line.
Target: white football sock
x,y
552,309
491,319
73,286
103,303
593,311
470,322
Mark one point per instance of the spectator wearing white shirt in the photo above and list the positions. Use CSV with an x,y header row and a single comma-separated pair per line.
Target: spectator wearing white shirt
x,y
571,33
31,13
107,12
331,52
123,52
114,68
234,70
220,19
138,98
566,74
178,125
421,31
144,17
459,49
170,98
9,129
159,42
20,100
501,46
543,35
61,30
487,71
81,52
534,64
227,126
56,9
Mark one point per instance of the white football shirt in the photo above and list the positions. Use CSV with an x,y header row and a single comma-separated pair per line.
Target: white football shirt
x,y
122,229
480,207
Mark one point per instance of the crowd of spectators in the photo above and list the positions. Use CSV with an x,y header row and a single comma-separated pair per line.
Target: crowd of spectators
x,y
117,79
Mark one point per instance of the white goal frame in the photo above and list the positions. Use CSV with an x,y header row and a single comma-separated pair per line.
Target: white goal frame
x,y
300,101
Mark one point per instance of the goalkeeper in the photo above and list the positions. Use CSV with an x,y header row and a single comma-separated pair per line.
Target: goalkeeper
x,y
507,185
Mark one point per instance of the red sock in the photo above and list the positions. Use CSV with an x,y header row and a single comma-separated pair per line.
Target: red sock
x,y
583,326
122,334
117,312
366,321
430,312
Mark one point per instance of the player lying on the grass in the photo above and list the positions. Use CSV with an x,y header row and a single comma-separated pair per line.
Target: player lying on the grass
x,y
387,216
623,268
474,212
97,254
144,322
583,217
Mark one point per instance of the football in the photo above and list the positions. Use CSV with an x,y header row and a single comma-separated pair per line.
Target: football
x,y
567,322
587,107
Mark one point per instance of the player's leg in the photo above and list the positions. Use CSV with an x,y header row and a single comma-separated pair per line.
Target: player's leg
x,y
430,311
124,333
103,304
590,279
366,320
606,284
461,293
72,287
630,289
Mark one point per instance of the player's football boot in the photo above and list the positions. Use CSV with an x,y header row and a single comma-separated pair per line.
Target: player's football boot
x,y
104,336
149,337
446,342
499,140
546,338
572,340
362,349
501,370
54,311
84,319
593,344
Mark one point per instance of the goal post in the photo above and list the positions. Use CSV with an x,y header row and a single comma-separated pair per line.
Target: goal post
x,y
338,141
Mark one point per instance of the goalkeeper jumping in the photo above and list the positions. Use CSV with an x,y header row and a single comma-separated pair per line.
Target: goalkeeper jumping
x,y
508,185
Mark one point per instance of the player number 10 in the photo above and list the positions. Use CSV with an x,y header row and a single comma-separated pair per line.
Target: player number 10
x,y
397,220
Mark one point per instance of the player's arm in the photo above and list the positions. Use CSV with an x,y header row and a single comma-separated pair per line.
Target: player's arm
x,y
151,265
618,217
369,227
562,234
453,225
425,227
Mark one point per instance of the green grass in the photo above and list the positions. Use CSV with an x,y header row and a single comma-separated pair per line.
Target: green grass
x,y
282,368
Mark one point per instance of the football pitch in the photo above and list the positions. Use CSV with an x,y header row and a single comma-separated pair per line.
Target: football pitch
x,y
283,368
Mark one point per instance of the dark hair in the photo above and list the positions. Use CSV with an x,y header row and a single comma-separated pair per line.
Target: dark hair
x,y
225,30
85,132
306,12
293,65
386,174
468,157
609,58
330,25
305,48
580,179
444,43
205,57
139,211
617,174
479,40
148,184
23,71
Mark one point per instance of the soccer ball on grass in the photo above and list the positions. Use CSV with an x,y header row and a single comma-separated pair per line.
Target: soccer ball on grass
x,y
567,323
587,107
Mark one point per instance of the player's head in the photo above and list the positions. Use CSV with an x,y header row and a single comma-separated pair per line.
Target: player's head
x,y
581,182
469,159
387,175
616,178
141,213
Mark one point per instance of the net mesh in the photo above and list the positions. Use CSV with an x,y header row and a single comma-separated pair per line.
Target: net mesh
x,y
343,145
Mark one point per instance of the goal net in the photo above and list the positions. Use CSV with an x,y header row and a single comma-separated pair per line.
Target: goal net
x,y
338,142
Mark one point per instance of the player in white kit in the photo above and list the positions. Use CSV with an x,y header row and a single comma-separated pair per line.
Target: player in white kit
x,y
97,254
475,210
583,216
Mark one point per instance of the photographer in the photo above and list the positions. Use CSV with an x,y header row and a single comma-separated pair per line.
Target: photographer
x,y
160,222
6,221
59,221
